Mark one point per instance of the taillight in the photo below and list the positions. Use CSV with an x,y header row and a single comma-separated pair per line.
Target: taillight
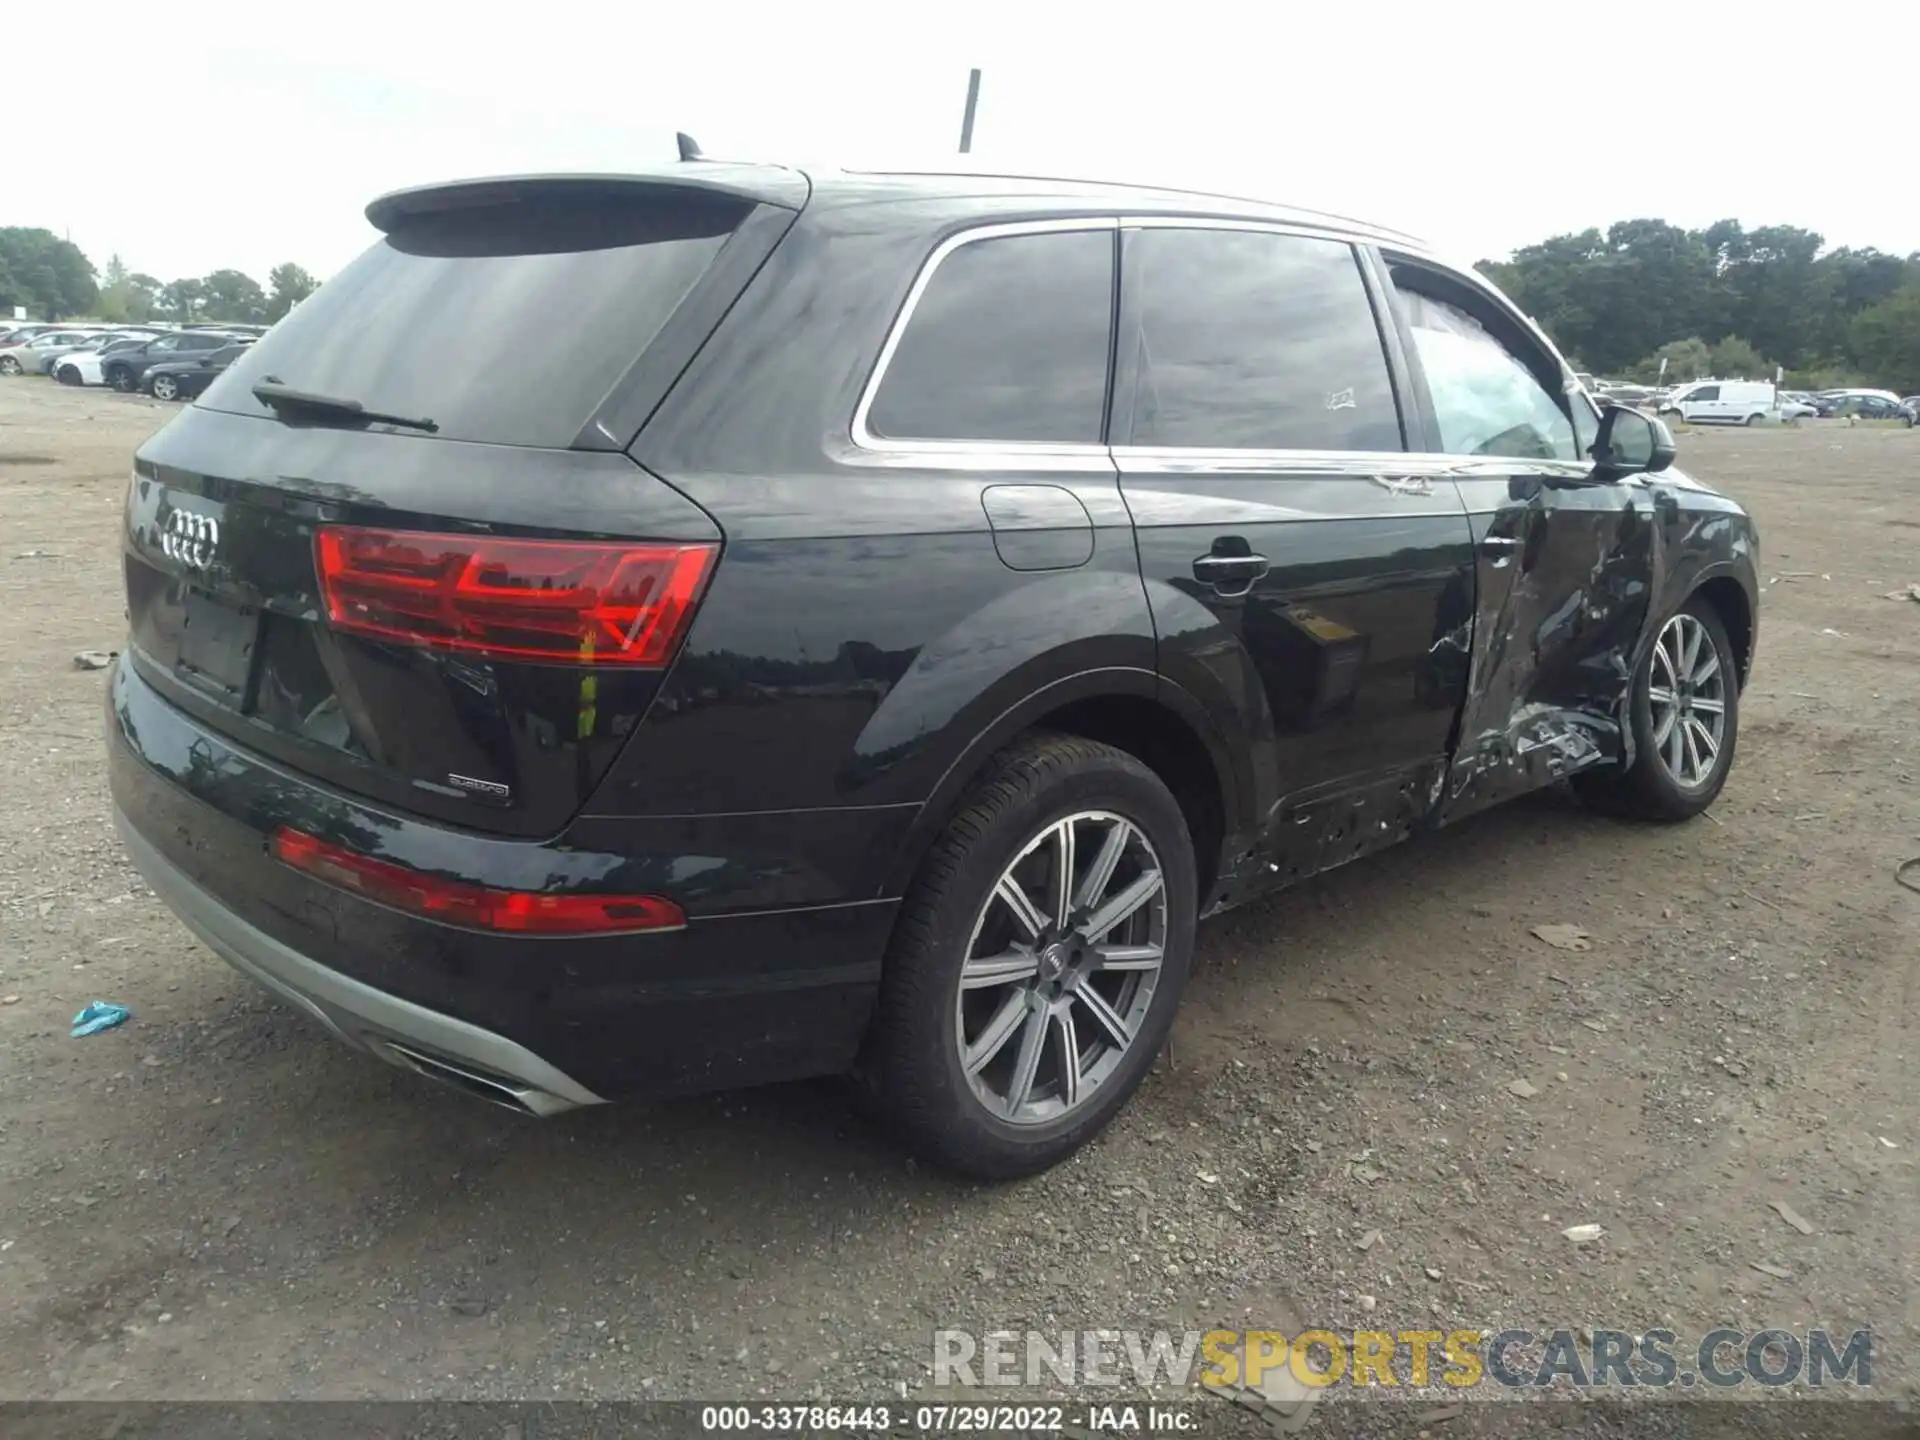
x,y
475,907
568,601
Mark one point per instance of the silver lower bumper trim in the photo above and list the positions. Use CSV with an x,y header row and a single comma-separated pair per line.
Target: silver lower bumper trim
x,y
398,1031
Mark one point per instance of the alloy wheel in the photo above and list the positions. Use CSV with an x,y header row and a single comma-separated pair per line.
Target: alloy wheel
x,y
1688,696
164,388
1061,968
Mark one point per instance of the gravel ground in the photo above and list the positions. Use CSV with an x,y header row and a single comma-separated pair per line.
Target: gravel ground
x,y
217,1202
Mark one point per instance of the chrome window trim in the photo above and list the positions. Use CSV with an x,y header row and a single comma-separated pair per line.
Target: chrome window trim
x,y
989,455
865,439
1362,463
1331,235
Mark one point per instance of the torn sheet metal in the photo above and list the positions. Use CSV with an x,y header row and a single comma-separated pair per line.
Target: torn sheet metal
x,y
1566,574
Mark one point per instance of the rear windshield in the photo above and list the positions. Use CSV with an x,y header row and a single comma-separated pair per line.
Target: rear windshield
x,y
504,324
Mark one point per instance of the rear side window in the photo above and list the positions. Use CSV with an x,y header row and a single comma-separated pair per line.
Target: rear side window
x,y
1706,392
1007,342
506,324
1249,340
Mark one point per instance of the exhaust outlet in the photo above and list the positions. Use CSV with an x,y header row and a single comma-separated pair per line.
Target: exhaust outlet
x,y
522,1099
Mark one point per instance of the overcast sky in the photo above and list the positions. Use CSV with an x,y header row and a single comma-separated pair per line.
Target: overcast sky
x,y
221,133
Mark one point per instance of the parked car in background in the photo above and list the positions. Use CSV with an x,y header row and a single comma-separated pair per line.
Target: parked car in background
x,y
19,334
1722,402
82,366
51,359
125,370
1625,394
1875,407
1865,403
184,379
29,357
1794,408
727,752
44,350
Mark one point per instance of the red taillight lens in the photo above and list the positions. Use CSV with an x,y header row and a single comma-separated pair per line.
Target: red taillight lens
x,y
566,601
476,907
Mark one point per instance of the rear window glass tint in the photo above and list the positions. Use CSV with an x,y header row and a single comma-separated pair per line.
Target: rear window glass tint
x,y
503,324
1251,340
1008,342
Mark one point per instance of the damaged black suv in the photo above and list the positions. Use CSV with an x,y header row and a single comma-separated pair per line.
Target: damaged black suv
x,y
882,617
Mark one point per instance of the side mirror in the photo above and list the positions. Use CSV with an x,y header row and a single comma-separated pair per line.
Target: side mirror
x,y
1631,442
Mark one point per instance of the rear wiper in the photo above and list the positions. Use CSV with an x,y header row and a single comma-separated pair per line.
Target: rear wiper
x,y
272,393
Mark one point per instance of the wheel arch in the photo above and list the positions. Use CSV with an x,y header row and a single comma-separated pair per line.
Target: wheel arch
x,y
1136,711
1731,603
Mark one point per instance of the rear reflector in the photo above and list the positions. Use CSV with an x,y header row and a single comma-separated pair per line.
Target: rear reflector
x,y
475,907
563,601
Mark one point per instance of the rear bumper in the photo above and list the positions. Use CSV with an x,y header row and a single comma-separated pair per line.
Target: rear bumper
x,y
741,996
396,1030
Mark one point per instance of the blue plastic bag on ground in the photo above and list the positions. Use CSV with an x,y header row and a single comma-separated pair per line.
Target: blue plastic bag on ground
x,y
100,1015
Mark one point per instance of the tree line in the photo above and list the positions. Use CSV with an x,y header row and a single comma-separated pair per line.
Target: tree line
x,y
1722,301
53,279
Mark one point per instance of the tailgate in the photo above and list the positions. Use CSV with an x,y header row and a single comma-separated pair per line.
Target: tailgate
x,y
227,618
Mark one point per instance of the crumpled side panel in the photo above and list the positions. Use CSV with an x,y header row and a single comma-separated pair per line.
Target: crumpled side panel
x,y
1566,578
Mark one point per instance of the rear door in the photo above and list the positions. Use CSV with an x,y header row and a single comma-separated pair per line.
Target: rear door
x,y
449,615
1306,572
1563,564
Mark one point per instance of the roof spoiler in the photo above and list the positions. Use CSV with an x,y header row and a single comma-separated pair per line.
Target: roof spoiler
x,y
759,184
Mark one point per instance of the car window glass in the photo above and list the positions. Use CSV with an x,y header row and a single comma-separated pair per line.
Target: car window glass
x,y
1250,340
1706,392
169,342
1486,399
1007,342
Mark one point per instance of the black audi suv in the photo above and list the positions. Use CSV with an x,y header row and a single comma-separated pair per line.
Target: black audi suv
x,y
887,613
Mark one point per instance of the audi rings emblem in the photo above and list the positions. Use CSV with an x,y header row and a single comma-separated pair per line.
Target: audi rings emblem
x,y
190,539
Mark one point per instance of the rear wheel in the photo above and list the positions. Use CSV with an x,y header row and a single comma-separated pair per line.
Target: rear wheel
x,y
1686,719
1037,962
120,378
1755,418
165,387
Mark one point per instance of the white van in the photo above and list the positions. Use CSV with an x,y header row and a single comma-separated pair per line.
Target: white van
x,y
1723,402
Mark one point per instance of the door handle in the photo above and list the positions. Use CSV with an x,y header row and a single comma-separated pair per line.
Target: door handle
x,y
1234,574
1501,544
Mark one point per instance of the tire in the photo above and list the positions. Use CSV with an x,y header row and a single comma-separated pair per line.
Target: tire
x,y
1650,789
1755,418
9,365
120,378
164,387
914,1075
67,375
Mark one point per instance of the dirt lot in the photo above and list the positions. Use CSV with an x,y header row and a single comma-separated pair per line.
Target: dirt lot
x,y
217,1201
